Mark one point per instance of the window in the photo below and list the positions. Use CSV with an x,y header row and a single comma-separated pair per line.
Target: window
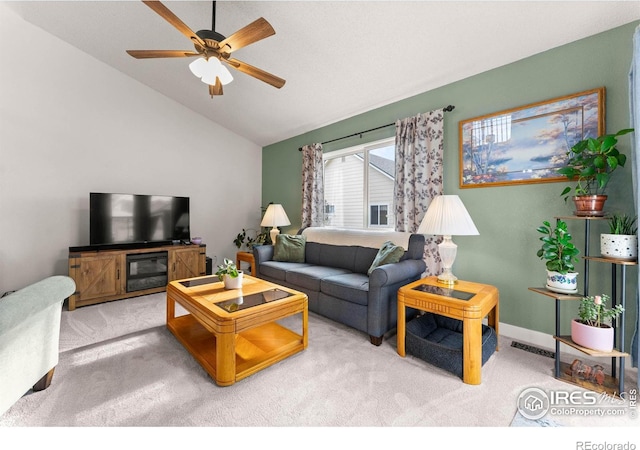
x,y
358,186
378,215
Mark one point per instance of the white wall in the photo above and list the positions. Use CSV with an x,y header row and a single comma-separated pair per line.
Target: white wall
x,y
70,124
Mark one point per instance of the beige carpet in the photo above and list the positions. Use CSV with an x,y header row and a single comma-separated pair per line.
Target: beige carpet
x,y
120,367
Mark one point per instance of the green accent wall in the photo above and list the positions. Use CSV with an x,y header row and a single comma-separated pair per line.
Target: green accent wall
x,y
504,254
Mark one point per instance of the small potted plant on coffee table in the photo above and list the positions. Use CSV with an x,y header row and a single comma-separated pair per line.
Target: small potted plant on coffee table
x,y
560,254
592,330
229,273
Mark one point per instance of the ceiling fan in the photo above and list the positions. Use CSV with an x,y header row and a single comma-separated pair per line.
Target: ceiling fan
x,y
213,47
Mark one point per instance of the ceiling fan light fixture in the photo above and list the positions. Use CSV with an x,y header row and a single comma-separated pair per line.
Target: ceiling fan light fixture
x,y
198,67
209,70
211,48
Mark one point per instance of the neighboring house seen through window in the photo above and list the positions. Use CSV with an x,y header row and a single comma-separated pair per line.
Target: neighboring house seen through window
x,y
358,185
378,215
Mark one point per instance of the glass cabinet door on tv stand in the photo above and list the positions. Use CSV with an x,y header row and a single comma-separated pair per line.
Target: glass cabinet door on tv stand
x,y
614,383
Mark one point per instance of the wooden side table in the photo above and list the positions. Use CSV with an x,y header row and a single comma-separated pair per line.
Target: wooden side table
x,y
432,296
248,258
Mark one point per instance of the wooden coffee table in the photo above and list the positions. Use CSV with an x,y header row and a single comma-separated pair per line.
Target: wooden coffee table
x,y
233,333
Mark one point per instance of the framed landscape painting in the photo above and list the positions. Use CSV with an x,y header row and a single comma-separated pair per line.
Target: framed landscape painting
x,y
527,144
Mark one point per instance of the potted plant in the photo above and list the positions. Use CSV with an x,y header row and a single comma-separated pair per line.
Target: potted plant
x,y
560,254
590,330
622,241
243,239
229,273
591,162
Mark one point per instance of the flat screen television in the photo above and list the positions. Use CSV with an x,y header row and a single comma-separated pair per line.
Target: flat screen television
x,y
119,219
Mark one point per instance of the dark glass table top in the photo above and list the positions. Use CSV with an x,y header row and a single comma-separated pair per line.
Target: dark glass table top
x,y
199,281
248,301
445,292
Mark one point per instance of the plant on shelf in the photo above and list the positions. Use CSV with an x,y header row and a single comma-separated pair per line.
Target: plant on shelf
x,y
561,255
592,330
590,163
593,311
622,241
622,224
229,273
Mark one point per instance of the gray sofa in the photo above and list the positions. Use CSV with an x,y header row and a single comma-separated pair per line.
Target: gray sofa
x,y
334,276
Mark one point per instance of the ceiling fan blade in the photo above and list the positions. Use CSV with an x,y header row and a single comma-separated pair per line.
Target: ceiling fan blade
x,y
142,54
215,89
170,17
256,73
253,32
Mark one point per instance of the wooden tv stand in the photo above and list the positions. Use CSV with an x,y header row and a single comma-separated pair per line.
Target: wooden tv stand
x,y
102,275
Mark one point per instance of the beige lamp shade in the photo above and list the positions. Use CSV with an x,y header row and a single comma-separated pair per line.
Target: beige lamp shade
x,y
447,216
274,217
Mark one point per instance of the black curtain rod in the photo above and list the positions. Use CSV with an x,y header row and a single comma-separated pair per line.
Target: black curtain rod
x,y
446,109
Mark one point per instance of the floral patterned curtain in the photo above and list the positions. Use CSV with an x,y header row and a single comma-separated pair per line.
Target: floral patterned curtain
x,y
419,149
312,186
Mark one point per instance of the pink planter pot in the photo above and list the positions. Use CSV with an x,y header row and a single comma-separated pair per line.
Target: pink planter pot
x,y
594,338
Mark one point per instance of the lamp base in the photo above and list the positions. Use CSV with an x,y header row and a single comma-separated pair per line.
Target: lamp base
x,y
447,249
447,278
273,234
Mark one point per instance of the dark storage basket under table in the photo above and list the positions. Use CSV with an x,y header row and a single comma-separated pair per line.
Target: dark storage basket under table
x,y
438,340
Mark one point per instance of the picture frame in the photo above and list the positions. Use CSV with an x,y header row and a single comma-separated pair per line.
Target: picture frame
x,y
527,144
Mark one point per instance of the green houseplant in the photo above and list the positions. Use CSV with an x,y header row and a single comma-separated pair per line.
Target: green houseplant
x,y
592,329
622,241
590,163
560,255
244,239
622,224
229,273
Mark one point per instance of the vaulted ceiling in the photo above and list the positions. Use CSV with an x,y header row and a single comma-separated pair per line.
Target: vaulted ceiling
x,y
339,58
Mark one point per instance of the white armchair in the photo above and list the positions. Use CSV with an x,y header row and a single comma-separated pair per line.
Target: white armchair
x,y
30,337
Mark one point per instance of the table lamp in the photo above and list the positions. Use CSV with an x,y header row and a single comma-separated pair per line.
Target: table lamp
x,y
274,217
447,216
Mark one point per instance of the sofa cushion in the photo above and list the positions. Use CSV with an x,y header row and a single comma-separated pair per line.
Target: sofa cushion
x,y
341,256
353,287
364,259
309,277
289,248
278,270
389,253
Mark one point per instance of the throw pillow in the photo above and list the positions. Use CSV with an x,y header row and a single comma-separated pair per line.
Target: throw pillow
x,y
289,248
389,253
